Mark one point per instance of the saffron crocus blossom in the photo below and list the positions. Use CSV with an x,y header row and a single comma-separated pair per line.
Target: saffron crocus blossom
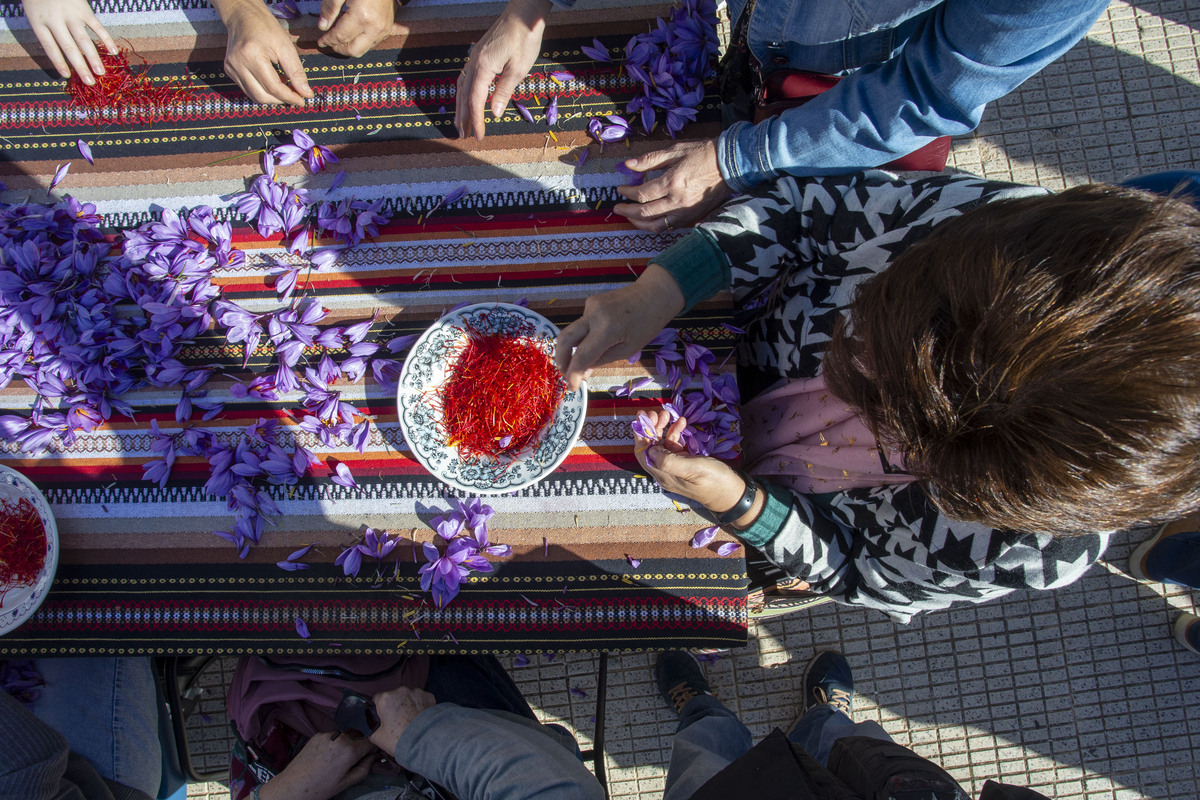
x,y
644,428
444,574
303,146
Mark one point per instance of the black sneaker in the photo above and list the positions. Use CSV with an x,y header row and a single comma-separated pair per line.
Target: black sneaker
x,y
679,678
828,680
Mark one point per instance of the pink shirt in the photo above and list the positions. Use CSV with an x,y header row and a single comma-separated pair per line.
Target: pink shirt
x,y
801,436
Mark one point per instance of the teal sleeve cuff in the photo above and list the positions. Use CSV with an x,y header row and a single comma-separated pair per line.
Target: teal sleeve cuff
x,y
697,265
770,521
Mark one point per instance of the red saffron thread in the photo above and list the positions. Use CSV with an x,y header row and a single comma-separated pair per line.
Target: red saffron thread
x,y
124,94
501,391
22,544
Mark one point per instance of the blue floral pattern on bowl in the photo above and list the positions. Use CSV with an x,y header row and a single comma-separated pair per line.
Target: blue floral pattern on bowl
x,y
20,603
425,371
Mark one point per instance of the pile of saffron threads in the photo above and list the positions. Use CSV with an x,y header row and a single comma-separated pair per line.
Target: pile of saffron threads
x,y
501,392
124,94
22,544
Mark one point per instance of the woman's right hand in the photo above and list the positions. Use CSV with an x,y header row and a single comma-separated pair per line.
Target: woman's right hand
x,y
64,28
617,324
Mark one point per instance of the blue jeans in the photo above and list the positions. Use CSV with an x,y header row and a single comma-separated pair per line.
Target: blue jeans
x,y
710,737
107,709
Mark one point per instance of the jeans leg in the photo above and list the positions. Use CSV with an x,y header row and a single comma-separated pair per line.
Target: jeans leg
x,y
822,725
708,738
107,708
1176,559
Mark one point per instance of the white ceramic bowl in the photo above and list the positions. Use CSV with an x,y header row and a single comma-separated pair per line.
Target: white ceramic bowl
x,y
20,602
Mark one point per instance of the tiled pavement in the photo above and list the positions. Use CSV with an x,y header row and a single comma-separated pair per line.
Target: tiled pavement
x,y
1079,693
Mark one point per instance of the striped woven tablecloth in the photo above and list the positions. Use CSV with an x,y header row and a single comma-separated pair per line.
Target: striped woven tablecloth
x,y
142,572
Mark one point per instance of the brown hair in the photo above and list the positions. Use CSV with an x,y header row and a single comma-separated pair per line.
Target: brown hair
x,y
1037,361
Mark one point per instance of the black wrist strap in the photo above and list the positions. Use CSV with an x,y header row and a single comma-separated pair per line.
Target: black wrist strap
x,y
742,506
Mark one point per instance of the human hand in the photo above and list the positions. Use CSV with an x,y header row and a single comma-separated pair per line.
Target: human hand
x,y
325,766
506,53
257,42
397,709
709,481
354,30
690,188
62,27
617,324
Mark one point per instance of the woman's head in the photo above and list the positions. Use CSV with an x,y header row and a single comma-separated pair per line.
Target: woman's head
x,y
1038,361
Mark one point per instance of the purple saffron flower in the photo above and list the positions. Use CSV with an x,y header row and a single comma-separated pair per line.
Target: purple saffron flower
x,y
643,427
303,146
552,111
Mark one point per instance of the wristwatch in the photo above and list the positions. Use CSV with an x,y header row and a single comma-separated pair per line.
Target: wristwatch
x,y
743,505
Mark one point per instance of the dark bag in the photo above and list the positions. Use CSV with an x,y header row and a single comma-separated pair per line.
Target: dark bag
x,y
790,88
774,770
879,770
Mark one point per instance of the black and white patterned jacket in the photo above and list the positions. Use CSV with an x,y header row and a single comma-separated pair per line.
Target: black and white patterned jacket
x,y
800,248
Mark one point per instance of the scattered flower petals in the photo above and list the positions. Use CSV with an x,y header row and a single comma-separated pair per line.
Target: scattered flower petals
x,y
59,174
704,536
523,111
633,562
302,628
342,476
85,150
728,549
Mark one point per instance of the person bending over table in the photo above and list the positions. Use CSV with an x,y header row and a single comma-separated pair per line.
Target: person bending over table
x,y
260,56
956,387
915,70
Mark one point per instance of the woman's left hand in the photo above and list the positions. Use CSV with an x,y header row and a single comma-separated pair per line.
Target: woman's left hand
x,y
324,766
709,481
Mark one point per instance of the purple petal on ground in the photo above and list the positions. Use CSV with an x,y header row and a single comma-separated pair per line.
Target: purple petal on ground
x,y
302,628
290,566
731,328
583,156
85,150
704,536
457,194
337,180
521,660
59,174
552,111
596,51
633,562
301,553
402,343
728,549
575,690
521,109
562,76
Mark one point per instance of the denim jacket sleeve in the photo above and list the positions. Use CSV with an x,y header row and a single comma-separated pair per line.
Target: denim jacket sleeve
x,y
483,755
964,55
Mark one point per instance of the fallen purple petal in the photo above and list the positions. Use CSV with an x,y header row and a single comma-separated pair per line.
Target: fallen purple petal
x,y
704,536
85,150
729,548
302,628
59,174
